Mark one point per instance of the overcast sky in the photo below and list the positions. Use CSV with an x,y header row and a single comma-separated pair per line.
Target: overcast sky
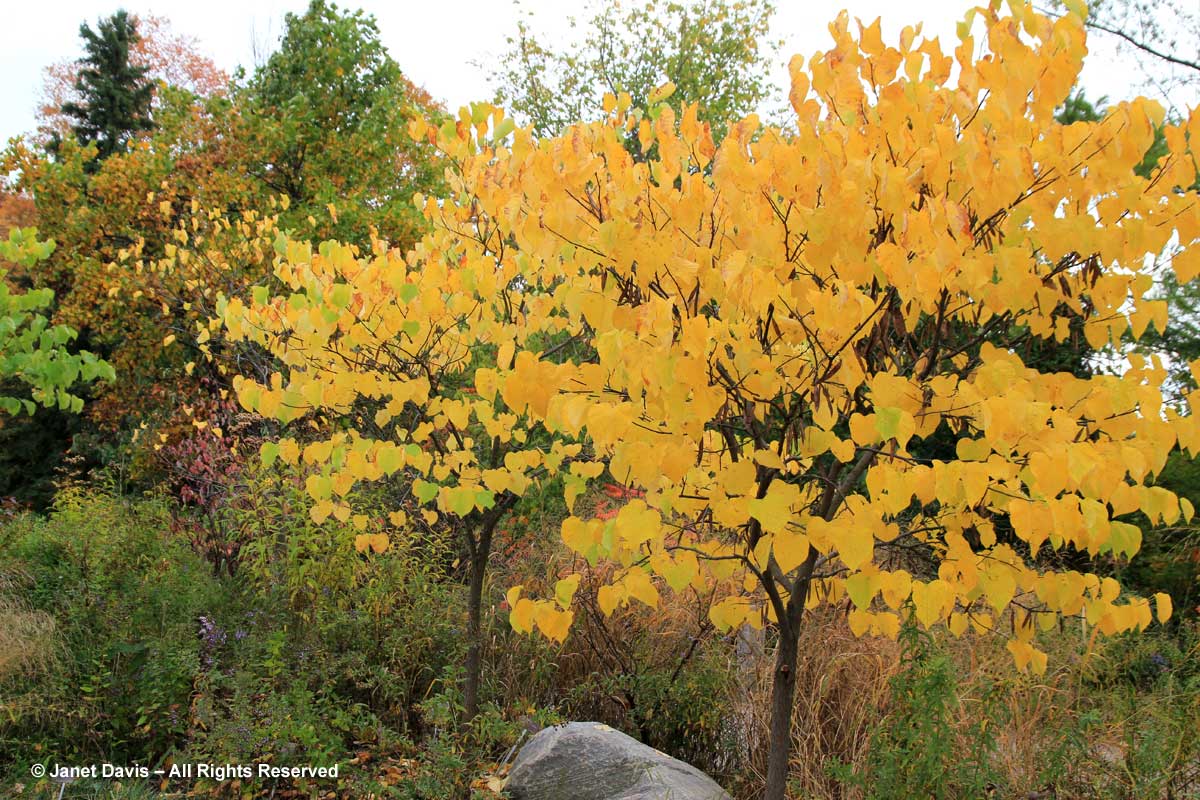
x,y
444,45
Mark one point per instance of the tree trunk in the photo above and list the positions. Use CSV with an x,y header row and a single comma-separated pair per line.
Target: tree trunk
x,y
783,695
474,663
790,615
479,546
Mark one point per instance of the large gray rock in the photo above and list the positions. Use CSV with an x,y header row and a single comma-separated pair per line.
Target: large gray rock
x,y
591,761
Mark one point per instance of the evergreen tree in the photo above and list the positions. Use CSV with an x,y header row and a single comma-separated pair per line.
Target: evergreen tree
x,y
115,94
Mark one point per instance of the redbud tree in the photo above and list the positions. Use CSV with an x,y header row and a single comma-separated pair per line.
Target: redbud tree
x,y
779,330
772,340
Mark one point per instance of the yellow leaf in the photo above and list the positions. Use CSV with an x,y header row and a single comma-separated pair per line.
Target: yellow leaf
x,y
486,383
774,511
609,598
678,570
931,601
321,511
859,620
1163,605
887,624
553,623
521,616
790,549
856,546
1022,652
768,458
637,523
863,430
861,589
729,613
660,93
639,586
505,356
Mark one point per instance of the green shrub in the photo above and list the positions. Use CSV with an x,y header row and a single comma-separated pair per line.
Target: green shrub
x,y
125,595
918,750
332,648
377,629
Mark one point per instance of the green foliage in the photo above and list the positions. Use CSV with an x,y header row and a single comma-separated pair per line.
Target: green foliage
x,y
1180,342
712,50
377,624
32,351
125,594
330,646
676,702
115,93
34,453
916,752
286,721
447,762
1077,108
325,124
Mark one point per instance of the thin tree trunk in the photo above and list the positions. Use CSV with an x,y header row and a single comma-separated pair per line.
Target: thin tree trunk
x,y
790,615
480,549
783,697
474,665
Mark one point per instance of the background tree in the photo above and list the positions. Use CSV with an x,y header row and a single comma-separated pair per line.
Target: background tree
x,y
715,52
324,124
114,93
330,105
1164,39
16,211
168,58
1165,33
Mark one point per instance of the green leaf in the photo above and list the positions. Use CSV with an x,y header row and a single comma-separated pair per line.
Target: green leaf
x,y
341,295
461,501
269,452
505,127
424,490
390,459
407,292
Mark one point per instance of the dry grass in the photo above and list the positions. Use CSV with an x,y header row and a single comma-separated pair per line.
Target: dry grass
x,y
841,696
28,639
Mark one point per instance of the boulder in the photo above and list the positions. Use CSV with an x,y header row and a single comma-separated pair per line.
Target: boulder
x,y
591,761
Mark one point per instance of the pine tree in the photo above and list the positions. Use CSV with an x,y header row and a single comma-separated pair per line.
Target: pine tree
x,y
115,95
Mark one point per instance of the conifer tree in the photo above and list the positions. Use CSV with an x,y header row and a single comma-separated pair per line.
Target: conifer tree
x,y
116,93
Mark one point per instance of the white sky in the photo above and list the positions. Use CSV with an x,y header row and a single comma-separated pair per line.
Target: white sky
x,y
444,45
